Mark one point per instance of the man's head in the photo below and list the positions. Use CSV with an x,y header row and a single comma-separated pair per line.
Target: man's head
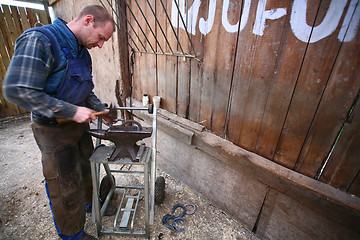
x,y
93,26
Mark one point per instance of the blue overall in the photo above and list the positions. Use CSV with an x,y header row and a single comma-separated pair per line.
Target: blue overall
x,y
76,84
67,146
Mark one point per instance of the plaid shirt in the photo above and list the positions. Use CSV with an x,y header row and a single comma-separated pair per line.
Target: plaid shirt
x,y
26,76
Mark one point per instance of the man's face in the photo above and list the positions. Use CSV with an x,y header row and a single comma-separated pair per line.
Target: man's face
x,y
97,36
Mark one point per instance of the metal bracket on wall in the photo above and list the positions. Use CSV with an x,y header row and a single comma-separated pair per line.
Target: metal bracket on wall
x,y
139,43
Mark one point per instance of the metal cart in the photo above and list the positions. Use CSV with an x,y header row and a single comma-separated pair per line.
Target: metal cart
x,y
145,158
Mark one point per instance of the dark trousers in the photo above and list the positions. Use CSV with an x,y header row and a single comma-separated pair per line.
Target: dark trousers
x,y
66,150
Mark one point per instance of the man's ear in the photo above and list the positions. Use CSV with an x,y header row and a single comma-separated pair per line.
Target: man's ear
x,y
88,19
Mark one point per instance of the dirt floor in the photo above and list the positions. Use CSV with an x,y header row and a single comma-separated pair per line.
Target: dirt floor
x,y
25,212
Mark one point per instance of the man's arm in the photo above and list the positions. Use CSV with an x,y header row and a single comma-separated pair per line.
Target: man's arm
x,y
26,76
93,102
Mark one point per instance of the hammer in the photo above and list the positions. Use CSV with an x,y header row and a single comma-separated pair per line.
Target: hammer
x,y
111,113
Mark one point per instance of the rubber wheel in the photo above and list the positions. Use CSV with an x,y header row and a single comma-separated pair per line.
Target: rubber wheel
x,y
159,190
105,187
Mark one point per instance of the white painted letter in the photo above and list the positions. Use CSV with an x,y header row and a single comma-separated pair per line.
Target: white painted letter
x,y
205,26
189,18
244,17
350,28
262,15
302,31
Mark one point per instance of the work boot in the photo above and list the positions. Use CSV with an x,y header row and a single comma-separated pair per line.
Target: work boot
x,y
86,236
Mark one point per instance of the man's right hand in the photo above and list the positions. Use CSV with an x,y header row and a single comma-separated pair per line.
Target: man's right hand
x,y
83,115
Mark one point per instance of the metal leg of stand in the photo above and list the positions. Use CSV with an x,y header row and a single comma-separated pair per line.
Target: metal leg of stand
x,y
147,199
112,190
96,205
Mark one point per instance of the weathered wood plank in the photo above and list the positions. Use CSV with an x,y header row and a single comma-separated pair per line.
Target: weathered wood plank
x,y
286,218
123,90
343,166
4,62
24,18
323,119
145,63
31,16
150,87
195,86
316,69
141,77
220,53
241,78
196,67
161,27
260,73
6,30
5,58
338,98
133,29
167,65
283,82
183,88
355,186
184,67
17,22
11,28
254,67
41,18
206,93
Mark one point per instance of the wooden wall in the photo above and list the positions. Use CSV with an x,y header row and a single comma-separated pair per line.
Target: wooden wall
x,y
13,21
278,78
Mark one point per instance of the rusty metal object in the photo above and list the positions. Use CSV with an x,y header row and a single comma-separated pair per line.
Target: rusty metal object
x,y
124,137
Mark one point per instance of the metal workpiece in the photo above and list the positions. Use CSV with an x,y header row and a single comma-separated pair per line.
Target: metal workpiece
x,y
171,221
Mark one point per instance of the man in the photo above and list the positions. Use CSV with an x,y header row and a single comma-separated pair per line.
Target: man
x,y
50,75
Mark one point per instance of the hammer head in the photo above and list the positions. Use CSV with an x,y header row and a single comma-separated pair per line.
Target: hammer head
x,y
112,111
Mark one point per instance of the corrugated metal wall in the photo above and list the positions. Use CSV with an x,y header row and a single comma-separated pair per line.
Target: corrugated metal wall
x,y
278,78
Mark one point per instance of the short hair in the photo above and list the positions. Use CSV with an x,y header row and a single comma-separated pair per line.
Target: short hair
x,y
100,14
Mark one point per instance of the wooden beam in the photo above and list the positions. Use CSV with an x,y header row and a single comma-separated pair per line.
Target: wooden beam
x,y
124,62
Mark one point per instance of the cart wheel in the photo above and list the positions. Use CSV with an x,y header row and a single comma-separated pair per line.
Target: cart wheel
x,y
159,190
105,187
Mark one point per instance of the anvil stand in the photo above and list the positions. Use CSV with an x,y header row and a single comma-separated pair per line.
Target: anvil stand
x,y
146,157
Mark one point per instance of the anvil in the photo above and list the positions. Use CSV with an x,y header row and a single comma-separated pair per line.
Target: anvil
x,y
124,137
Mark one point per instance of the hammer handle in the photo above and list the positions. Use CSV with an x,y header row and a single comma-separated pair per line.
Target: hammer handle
x,y
102,113
97,114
